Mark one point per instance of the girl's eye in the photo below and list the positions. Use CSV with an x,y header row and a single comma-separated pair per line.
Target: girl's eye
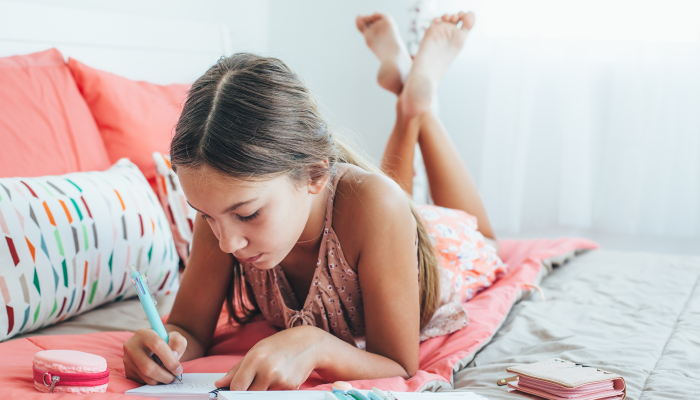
x,y
205,217
249,217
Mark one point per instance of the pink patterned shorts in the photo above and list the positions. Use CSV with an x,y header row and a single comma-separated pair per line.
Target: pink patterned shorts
x,y
470,261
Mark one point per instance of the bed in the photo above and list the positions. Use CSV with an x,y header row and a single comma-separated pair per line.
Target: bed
x,y
635,314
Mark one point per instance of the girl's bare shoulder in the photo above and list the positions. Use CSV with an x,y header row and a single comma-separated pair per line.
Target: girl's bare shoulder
x,y
366,208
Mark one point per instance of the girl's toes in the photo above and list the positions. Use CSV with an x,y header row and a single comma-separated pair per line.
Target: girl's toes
x,y
468,20
360,22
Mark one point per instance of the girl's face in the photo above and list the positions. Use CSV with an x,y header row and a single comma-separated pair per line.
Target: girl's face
x,y
259,222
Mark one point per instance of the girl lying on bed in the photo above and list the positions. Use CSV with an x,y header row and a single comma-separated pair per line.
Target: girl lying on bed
x,y
278,194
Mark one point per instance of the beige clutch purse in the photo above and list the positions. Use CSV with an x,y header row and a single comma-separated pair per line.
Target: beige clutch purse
x,y
557,379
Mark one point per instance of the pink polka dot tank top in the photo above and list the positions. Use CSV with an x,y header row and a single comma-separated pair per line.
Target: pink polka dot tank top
x,y
467,264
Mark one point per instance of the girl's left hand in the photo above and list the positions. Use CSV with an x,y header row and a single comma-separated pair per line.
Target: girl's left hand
x,y
282,361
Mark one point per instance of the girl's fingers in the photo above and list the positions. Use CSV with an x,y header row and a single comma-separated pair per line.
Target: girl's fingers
x,y
226,380
243,376
259,385
148,369
133,373
177,343
147,380
158,346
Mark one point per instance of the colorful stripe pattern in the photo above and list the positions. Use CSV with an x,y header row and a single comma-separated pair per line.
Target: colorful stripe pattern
x,y
178,212
66,243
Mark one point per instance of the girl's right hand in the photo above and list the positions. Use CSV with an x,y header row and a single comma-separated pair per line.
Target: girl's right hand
x,y
140,367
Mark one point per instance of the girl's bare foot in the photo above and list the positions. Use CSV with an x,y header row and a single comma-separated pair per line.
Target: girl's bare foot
x,y
384,40
441,44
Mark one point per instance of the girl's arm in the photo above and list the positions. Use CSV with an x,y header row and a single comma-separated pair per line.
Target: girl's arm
x,y
194,315
340,361
202,291
375,224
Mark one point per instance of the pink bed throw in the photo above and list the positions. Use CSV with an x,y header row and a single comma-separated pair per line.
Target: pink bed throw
x,y
438,356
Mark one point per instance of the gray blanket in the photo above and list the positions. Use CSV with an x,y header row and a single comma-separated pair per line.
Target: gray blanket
x,y
635,314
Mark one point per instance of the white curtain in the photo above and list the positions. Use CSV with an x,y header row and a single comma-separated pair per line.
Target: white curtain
x,y
581,114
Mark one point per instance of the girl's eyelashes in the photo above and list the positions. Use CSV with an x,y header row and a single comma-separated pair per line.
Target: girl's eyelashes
x,y
242,218
249,217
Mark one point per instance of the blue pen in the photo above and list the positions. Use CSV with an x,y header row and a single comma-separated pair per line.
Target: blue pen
x,y
150,308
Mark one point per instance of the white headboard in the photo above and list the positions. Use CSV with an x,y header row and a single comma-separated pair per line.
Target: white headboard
x,y
137,47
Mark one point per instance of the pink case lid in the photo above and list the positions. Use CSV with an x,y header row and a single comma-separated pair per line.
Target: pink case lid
x,y
69,361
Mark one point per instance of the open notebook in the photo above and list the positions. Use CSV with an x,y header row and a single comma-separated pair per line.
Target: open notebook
x,y
201,386
193,386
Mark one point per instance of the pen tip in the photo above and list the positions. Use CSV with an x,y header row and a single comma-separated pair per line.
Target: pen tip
x,y
179,378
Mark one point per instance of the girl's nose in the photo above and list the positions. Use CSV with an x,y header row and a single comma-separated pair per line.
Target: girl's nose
x,y
231,241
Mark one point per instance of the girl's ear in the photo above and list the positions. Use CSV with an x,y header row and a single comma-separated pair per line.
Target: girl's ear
x,y
318,177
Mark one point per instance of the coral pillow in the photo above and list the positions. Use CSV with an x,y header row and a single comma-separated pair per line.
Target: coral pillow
x,y
66,243
45,126
134,118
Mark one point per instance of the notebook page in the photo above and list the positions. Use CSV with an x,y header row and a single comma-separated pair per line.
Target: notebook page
x,y
319,395
191,384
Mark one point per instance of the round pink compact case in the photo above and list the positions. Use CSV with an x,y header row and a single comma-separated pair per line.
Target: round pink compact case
x,y
69,371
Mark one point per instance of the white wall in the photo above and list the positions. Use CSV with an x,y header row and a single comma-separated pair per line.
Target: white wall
x,y
247,21
319,40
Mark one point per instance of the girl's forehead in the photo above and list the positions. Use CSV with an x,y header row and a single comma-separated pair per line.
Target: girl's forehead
x,y
213,193
205,179
207,176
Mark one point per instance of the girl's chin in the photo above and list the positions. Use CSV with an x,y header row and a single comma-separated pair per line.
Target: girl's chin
x,y
264,263
267,260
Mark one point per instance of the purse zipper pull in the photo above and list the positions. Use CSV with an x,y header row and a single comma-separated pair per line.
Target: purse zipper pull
x,y
54,380
504,381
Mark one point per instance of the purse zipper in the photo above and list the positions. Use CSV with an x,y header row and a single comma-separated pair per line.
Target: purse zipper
x,y
53,378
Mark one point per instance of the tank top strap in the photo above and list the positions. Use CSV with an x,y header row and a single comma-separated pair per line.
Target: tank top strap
x,y
331,199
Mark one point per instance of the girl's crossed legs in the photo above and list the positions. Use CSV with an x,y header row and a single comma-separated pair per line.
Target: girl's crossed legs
x,y
415,82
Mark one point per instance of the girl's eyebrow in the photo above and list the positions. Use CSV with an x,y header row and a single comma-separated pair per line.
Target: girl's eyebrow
x,y
228,210
241,204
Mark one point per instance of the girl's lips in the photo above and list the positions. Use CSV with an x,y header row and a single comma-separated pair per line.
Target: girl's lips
x,y
252,259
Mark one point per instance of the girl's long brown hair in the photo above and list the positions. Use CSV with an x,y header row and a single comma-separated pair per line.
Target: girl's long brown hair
x,y
251,117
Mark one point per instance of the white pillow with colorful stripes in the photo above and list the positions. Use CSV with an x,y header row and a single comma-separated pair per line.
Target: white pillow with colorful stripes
x,y
180,215
66,243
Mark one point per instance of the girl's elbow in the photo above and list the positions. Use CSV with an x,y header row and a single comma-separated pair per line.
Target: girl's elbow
x,y
410,370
